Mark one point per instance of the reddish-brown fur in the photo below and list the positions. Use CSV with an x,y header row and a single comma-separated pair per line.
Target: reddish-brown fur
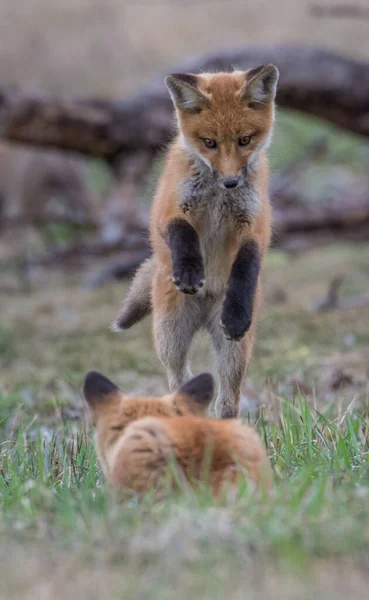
x,y
228,118
222,107
139,439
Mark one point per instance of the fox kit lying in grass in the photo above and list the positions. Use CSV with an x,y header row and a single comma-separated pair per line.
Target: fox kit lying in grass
x,y
210,226
138,438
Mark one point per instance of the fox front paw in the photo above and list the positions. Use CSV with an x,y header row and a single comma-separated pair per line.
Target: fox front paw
x,y
235,322
188,277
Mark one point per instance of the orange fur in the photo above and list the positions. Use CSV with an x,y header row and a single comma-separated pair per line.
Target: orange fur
x,y
225,118
225,108
139,438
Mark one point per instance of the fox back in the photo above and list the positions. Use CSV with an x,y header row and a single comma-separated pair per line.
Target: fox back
x,y
138,439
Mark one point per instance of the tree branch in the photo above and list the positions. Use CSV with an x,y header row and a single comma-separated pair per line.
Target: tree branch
x,y
313,81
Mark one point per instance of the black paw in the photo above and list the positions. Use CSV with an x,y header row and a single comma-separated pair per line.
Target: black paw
x,y
235,322
189,277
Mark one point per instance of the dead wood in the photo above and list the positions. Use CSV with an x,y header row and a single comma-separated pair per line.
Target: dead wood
x,y
41,220
74,253
312,80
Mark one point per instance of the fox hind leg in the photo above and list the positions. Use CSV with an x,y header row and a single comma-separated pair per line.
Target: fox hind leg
x,y
176,319
173,334
232,359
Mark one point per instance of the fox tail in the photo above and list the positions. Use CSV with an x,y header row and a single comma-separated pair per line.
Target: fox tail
x,y
137,303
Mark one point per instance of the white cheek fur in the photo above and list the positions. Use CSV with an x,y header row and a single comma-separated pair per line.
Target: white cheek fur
x,y
191,150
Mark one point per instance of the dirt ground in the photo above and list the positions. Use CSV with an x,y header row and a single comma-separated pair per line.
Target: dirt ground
x,y
53,334
66,539
61,537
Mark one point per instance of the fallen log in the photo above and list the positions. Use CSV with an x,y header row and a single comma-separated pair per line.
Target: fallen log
x,y
134,242
299,223
294,213
116,269
312,80
40,221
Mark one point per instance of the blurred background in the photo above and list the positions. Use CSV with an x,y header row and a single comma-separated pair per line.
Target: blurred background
x,y
84,118
112,48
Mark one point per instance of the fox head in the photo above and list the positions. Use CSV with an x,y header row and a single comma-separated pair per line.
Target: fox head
x,y
112,411
225,119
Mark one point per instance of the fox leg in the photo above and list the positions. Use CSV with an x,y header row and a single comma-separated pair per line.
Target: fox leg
x,y
232,359
242,289
173,334
187,261
176,319
236,317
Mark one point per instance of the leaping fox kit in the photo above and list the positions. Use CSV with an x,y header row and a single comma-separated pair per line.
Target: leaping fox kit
x,y
138,439
210,227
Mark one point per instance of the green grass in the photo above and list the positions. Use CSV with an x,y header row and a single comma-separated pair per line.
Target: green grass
x,y
61,533
295,131
52,493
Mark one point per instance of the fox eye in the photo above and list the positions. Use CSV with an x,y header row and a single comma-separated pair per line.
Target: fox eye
x,y
244,140
209,143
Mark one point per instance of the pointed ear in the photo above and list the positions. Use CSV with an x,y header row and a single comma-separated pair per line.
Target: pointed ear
x,y
260,86
98,389
197,393
183,88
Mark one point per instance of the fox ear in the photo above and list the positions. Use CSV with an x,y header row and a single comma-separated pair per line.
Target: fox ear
x,y
98,389
260,86
197,393
183,88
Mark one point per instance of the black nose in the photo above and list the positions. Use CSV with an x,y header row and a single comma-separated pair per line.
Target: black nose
x,y
231,182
